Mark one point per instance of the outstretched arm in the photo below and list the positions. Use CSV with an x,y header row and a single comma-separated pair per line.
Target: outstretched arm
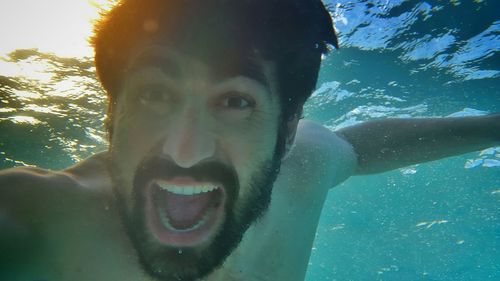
x,y
383,145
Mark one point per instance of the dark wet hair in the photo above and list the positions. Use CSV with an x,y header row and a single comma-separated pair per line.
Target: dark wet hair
x,y
291,33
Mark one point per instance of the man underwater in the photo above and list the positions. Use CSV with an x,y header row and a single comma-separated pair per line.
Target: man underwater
x,y
210,173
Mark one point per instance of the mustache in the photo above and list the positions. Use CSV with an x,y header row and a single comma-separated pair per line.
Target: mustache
x,y
164,168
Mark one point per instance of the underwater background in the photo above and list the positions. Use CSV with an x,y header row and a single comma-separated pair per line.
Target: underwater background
x,y
432,221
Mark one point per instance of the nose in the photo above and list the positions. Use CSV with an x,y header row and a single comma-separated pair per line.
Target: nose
x,y
189,139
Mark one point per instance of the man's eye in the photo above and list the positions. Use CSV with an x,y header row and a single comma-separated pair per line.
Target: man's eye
x,y
153,95
237,102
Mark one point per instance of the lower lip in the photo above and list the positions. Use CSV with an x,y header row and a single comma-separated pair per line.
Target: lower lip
x,y
197,236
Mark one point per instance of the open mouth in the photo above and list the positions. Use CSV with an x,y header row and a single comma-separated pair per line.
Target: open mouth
x,y
182,212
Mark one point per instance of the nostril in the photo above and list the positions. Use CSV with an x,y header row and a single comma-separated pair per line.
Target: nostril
x,y
187,150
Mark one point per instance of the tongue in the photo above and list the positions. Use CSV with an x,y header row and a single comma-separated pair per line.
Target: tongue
x,y
184,211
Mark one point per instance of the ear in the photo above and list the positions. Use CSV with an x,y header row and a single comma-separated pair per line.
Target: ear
x,y
292,129
292,124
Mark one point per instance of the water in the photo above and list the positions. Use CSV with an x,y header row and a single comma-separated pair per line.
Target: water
x,y
434,221
53,117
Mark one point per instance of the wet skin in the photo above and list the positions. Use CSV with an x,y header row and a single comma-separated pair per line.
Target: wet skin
x,y
68,225
186,116
79,216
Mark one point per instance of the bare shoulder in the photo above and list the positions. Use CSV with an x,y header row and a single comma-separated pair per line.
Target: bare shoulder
x,y
320,150
27,197
19,181
30,195
27,173
316,135
25,184
92,173
35,204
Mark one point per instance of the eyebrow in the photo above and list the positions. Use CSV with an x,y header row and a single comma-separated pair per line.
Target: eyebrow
x,y
166,64
250,67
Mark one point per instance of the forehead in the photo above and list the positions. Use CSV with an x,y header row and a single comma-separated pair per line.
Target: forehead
x,y
174,64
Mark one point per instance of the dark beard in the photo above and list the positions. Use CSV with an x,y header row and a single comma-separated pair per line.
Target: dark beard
x,y
168,263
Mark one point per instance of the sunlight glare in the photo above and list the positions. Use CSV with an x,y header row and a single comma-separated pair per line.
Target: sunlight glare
x,y
27,69
21,119
61,27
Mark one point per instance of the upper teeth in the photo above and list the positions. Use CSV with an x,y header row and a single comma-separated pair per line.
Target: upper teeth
x,y
186,189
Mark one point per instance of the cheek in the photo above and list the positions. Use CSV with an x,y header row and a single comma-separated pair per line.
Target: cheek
x,y
135,136
248,150
131,143
248,141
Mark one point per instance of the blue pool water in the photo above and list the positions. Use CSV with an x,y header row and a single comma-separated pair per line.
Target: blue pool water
x,y
433,221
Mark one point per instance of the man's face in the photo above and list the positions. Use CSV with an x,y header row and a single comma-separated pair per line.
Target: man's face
x,y
193,158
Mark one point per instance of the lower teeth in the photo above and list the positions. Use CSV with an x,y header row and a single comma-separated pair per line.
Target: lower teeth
x,y
166,222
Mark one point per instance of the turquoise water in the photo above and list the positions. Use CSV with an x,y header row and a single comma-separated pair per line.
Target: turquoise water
x,y
433,221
